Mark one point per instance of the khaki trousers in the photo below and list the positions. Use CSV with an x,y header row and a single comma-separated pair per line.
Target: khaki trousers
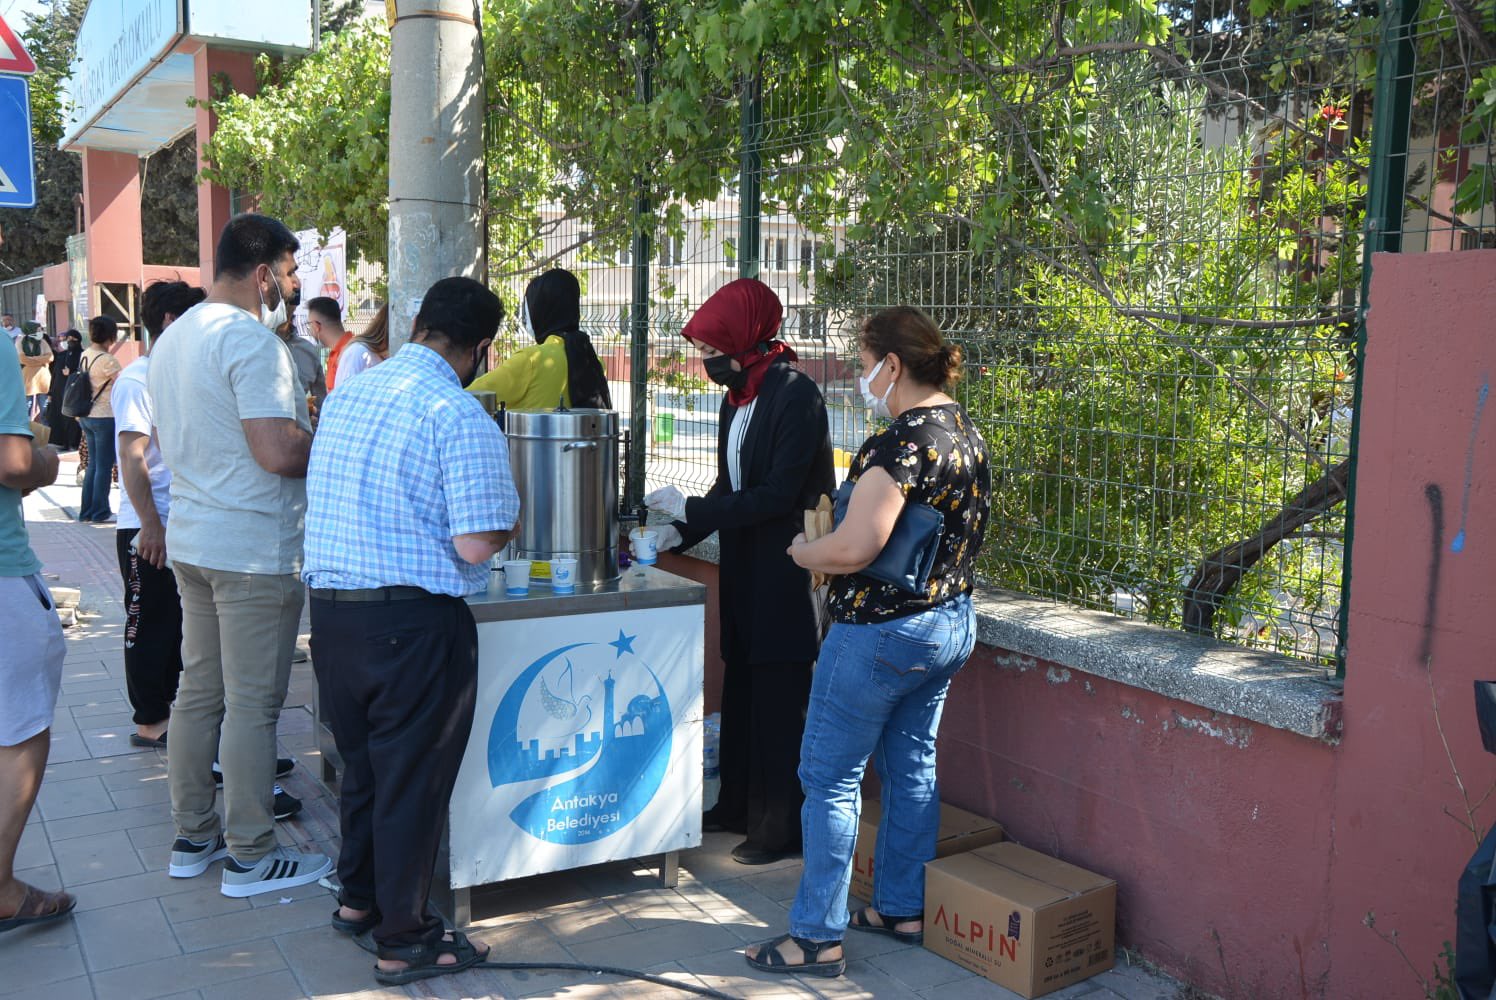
x,y
238,635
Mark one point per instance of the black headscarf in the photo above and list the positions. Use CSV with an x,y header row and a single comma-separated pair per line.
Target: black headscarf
x,y
554,302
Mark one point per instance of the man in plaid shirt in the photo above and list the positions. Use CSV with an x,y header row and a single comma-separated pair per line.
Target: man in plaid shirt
x,y
409,495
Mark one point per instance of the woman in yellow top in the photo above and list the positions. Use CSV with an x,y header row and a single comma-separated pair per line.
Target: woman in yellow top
x,y
561,367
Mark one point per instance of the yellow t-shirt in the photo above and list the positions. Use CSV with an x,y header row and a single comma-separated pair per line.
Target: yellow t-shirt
x,y
532,378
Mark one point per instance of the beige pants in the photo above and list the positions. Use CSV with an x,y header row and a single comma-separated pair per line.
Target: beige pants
x,y
238,636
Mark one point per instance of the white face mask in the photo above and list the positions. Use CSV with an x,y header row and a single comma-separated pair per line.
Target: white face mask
x,y
273,319
878,404
524,318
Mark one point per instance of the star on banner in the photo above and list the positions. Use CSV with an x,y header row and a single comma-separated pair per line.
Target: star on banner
x,y
624,643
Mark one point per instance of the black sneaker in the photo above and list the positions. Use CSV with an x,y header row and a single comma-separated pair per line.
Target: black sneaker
x,y
286,804
283,767
189,859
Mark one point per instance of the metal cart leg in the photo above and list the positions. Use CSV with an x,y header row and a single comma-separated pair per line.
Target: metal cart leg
x,y
670,869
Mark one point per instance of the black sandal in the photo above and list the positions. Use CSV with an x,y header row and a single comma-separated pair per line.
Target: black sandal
x,y
359,929
772,960
860,922
421,960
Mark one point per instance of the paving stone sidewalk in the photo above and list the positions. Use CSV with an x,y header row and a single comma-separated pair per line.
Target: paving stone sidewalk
x,y
102,830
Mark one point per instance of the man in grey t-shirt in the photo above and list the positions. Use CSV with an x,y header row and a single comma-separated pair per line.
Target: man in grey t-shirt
x,y
232,426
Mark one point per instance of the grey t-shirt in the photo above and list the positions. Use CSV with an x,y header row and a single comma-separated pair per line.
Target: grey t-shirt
x,y
219,366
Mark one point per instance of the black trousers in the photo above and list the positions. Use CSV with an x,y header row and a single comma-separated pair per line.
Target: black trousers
x,y
763,719
153,633
398,681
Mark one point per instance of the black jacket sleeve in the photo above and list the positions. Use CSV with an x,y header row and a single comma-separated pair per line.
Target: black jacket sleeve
x,y
798,429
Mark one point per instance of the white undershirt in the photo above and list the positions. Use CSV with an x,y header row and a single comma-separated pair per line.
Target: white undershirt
x,y
735,435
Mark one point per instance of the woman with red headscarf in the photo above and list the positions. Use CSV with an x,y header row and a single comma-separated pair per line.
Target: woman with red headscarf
x,y
773,463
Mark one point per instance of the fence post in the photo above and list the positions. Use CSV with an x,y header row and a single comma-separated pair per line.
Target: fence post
x,y
643,223
750,166
1386,192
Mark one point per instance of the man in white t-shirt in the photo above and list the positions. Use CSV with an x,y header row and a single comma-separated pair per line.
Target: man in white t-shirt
x,y
232,426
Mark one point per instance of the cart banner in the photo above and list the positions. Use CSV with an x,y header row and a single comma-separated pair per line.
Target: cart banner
x,y
586,744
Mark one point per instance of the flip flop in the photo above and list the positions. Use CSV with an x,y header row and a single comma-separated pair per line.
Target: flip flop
x,y
772,960
421,960
886,925
39,907
145,742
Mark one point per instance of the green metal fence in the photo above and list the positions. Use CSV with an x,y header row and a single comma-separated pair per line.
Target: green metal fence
x,y
1147,226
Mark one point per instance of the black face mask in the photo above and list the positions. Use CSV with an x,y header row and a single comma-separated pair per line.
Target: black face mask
x,y
720,370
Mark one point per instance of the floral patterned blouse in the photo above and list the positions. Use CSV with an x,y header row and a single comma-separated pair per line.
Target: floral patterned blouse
x,y
936,456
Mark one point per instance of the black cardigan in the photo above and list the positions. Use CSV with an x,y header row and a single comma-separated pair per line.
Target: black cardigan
x,y
768,611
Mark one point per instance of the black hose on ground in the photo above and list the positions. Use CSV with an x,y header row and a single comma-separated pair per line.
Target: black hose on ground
x,y
604,970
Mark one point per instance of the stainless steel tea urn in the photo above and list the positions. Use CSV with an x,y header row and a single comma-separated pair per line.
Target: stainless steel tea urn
x,y
565,465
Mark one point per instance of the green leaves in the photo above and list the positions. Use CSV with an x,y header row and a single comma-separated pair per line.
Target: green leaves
x,y
315,140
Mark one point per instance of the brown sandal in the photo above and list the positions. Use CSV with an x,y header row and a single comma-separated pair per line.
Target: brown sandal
x,y
39,907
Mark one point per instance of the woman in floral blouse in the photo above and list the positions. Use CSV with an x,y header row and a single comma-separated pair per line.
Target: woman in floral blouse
x,y
881,679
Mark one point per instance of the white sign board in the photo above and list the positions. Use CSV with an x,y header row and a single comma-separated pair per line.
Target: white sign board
x,y
274,25
118,41
586,744
322,267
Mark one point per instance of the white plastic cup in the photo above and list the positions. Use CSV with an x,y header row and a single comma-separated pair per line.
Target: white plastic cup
x,y
517,577
564,575
643,542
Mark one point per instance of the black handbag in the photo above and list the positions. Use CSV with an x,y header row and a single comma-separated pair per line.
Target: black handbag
x,y
909,554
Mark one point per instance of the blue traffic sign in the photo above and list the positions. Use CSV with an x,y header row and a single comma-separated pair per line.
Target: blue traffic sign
x,y
17,175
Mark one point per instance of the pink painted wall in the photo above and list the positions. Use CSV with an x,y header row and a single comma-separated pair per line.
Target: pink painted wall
x,y
212,200
1421,613
1216,829
111,205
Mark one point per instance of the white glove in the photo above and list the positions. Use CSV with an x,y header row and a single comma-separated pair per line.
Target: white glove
x,y
668,501
667,536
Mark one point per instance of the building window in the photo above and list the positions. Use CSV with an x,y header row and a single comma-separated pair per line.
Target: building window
x,y
729,254
672,251
776,254
807,255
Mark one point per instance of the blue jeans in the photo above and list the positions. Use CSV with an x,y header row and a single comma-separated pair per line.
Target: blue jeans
x,y
878,689
99,432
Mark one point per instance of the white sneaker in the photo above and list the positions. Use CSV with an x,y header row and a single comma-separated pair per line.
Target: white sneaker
x,y
189,859
282,868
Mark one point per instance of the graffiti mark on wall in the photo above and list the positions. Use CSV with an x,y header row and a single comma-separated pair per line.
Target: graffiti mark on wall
x,y
1458,545
1435,497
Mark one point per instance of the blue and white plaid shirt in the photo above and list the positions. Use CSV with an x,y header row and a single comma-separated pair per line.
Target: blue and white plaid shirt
x,y
403,460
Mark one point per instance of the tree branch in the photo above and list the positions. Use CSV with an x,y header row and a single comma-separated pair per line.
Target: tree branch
x,y
1220,571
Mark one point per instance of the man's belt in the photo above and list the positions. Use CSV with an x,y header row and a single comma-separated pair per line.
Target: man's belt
x,y
373,594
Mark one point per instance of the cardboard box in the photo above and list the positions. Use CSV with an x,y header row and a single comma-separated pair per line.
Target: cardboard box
x,y
1024,920
959,831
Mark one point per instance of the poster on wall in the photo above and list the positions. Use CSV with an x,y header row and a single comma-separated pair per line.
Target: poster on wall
x,y
77,250
322,266
586,744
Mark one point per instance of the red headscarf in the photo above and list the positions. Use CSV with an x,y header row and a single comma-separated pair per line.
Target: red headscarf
x,y
740,316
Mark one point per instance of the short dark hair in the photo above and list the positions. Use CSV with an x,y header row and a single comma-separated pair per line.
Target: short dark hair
x,y
163,298
461,311
103,330
249,240
325,307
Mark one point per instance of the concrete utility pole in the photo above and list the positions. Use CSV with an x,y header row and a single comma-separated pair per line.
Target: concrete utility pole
x,y
437,109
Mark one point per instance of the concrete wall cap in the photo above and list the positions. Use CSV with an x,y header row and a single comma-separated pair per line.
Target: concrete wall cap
x,y
1252,684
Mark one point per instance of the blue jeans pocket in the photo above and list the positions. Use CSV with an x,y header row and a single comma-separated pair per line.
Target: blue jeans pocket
x,y
901,664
